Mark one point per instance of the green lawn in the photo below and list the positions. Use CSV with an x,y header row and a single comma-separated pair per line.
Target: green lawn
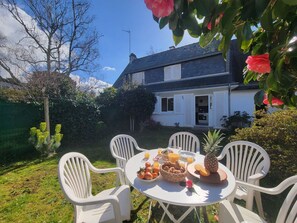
x,y
30,191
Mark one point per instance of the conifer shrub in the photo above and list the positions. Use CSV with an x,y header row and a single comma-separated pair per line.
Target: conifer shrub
x,y
277,134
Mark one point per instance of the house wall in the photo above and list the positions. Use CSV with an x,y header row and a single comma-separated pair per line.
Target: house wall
x,y
242,100
218,102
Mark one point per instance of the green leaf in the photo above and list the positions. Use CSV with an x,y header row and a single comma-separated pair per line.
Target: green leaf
x,y
173,20
178,36
206,38
245,44
204,7
271,81
247,31
178,5
163,22
249,75
266,20
260,6
193,33
280,9
259,97
227,20
190,22
290,2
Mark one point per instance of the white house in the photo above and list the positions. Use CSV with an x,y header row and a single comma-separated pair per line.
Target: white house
x,y
194,86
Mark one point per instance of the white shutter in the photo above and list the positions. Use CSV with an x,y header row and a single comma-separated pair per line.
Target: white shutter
x,y
157,105
178,102
220,106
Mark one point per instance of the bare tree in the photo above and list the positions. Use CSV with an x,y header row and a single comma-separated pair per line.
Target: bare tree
x,y
5,61
60,36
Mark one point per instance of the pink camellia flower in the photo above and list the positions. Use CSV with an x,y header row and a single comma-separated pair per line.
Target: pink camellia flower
x,y
189,184
274,101
259,63
209,26
160,8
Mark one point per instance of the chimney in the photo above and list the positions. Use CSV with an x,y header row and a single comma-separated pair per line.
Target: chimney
x,y
172,47
132,57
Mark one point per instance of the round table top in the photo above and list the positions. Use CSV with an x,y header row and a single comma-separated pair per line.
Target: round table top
x,y
174,193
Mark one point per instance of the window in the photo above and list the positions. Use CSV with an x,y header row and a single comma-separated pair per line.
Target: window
x,y
167,104
138,78
172,72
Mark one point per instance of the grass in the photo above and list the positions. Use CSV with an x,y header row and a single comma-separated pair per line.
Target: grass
x,y
30,191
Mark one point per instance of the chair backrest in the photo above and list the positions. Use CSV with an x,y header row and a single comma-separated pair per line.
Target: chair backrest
x,y
186,140
245,158
74,176
288,210
123,146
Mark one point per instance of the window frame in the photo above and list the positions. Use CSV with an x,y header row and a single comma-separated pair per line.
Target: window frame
x,y
169,104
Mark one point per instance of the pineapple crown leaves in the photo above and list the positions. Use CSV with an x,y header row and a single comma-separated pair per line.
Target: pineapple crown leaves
x,y
212,141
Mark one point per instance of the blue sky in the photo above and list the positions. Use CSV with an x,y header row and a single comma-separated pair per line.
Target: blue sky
x,y
113,16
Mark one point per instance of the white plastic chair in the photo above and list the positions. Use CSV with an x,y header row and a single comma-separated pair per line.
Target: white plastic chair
x,y
186,140
248,162
122,148
232,213
111,205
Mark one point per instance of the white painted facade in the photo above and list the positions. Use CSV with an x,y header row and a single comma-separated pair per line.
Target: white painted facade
x,y
219,103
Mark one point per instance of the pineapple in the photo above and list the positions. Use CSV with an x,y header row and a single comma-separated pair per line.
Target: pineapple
x,y
211,146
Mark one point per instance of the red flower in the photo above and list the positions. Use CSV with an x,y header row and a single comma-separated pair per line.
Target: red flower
x,y
189,184
160,8
259,63
274,101
209,26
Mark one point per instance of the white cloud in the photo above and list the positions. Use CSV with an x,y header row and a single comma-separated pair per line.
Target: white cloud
x,y
108,69
90,85
18,45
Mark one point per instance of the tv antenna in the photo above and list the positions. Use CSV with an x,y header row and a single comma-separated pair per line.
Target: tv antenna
x,y
129,32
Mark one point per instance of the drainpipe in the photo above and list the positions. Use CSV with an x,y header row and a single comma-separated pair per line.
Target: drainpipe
x,y
229,99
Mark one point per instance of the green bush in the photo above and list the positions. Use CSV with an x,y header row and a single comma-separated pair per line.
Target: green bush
x,y
79,118
276,133
238,120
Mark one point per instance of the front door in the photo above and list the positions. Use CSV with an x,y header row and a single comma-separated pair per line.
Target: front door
x,y
201,110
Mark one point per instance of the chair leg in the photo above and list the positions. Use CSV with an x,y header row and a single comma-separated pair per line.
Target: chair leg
x,y
259,204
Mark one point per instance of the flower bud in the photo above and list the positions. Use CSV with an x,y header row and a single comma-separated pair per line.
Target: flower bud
x,y
58,128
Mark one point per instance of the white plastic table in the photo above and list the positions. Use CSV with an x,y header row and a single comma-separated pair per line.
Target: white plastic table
x,y
172,193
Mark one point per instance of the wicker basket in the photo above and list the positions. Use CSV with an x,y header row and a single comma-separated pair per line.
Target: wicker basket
x,y
173,177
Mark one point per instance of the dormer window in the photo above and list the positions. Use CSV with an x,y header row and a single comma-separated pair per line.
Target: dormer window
x,y
172,72
138,78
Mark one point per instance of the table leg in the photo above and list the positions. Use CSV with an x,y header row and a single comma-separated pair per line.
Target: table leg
x,y
171,216
150,211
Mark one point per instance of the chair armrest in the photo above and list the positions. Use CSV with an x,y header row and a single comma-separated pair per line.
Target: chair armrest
x,y
253,178
117,170
274,190
140,149
118,157
95,200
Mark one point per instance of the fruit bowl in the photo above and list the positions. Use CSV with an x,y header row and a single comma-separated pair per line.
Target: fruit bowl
x,y
148,181
149,173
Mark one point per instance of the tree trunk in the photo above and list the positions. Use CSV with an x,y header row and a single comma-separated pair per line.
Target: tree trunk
x,y
46,115
131,124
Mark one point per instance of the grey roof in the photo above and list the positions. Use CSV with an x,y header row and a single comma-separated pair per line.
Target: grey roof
x,y
185,54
